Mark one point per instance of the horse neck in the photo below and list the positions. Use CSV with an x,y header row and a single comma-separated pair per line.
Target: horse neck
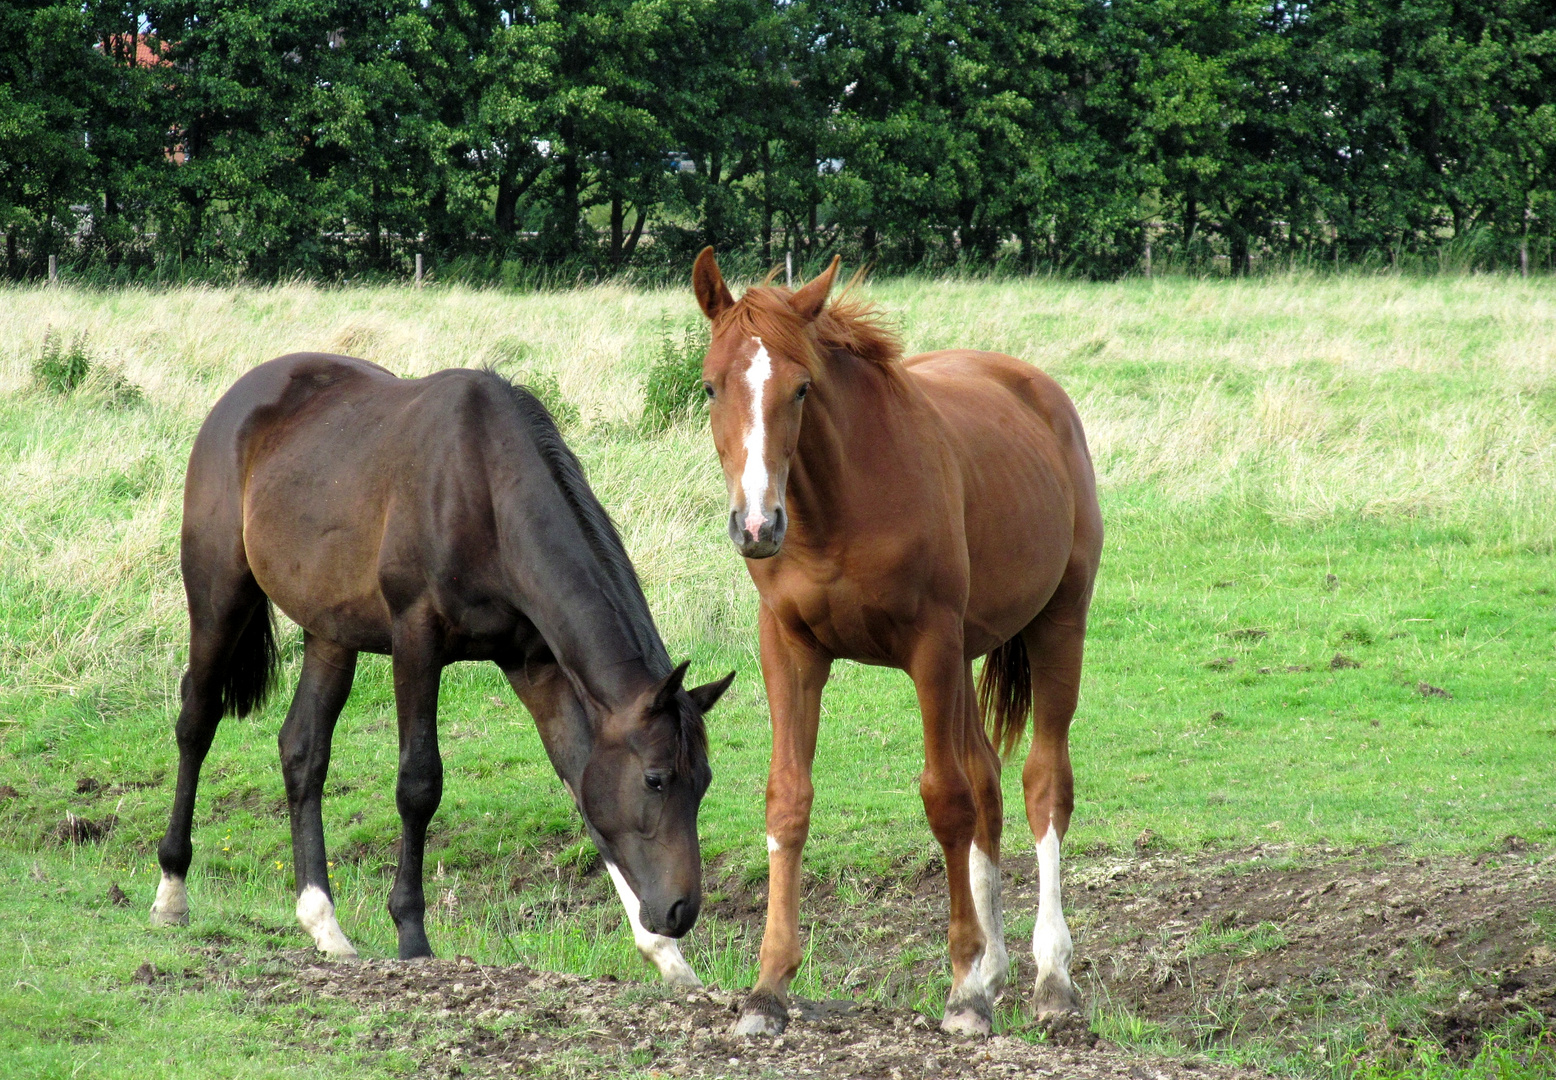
x,y
846,428
591,612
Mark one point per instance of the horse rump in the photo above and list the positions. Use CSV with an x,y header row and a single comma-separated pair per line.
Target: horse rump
x,y
1005,694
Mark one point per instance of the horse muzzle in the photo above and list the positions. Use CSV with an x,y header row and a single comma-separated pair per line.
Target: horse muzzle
x,y
765,541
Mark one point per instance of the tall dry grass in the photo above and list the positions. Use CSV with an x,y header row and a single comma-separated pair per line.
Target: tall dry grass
x,y
1304,399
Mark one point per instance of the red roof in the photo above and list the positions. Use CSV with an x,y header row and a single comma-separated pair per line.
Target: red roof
x,y
145,47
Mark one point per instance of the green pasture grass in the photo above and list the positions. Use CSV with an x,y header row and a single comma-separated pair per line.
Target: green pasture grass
x,y
1326,617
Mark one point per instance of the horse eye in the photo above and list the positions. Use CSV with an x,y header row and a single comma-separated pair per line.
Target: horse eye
x,y
799,395
655,781
707,388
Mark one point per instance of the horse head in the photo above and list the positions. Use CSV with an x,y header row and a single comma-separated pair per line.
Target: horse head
x,y
759,367
639,794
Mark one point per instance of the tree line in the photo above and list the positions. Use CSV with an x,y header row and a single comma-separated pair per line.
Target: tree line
x,y
335,138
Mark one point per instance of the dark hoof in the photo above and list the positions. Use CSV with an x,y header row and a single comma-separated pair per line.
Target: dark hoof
x,y
763,1014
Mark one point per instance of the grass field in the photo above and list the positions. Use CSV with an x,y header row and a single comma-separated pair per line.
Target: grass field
x,y
1326,618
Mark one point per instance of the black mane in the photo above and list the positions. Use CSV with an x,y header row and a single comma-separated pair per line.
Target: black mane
x,y
605,542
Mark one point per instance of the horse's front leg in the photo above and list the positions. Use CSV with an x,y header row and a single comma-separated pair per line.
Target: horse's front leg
x,y
418,669
954,783
564,729
328,670
795,676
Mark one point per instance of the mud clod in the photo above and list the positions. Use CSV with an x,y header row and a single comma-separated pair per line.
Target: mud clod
x,y
79,830
116,896
1428,690
7,793
88,785
1340,662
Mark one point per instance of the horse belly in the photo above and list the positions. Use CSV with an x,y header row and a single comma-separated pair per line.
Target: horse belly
x,y
315,553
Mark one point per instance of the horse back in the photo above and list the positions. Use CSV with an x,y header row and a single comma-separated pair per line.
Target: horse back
x,y
346,492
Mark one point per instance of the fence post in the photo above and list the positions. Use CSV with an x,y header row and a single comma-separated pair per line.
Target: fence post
x,y
53,269
788,268
418,269
1147,258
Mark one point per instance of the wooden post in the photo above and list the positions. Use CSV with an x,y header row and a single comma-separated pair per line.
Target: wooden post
x,y
1147,258
788,268
418,269
53,269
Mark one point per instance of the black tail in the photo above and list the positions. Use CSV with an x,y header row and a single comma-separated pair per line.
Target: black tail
x,y
251,672
1005,694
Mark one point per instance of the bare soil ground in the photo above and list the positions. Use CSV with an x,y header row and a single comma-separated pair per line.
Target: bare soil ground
x,y
496,1021
1212,951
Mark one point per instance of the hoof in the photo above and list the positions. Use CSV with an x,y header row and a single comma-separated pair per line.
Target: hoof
x,y
169,918
1054,1001
763,1014
683,978
966,1021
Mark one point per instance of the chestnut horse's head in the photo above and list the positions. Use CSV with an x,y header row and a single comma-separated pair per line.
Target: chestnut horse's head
x,y
639,793
758,370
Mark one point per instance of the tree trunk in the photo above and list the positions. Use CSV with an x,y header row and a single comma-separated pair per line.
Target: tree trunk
x,y
634,236
10,254
375,247
767,203
616,223
1190,219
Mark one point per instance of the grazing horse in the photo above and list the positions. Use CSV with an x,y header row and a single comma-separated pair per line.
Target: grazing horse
x,y
436,520
917,514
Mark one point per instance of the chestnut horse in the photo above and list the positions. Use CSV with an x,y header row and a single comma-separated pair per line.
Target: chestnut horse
x,y
916,513
436,520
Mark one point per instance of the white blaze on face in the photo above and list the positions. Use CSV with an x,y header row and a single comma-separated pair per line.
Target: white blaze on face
x,y
171,907
1051,945
317,914
663,952
994,964
754,479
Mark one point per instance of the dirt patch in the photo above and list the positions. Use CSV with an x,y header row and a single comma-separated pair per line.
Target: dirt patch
x,y
1266,943
466,1019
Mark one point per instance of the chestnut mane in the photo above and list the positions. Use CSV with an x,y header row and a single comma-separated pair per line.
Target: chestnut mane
x,y
846,325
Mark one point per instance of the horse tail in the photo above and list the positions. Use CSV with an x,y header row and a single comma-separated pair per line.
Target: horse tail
x,y
251,673
1005,694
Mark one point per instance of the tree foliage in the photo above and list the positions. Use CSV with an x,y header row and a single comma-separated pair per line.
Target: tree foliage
x,y
339,137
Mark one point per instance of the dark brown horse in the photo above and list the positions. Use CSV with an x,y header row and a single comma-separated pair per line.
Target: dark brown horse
x,y
436,520
919,514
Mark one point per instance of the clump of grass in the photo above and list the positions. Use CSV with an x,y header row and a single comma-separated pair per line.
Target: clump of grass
x,y
61,368
673,390
1239,941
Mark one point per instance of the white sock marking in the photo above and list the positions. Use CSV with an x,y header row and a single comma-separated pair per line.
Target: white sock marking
x,y
663,952
753,480
993,965
1051,945
317,914
171,907
772,844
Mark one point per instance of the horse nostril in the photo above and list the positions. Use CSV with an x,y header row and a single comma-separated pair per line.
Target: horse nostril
x,y
681,917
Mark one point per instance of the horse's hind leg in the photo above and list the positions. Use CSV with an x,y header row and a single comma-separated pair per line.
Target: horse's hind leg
x,y
982,766
305,761
230,650
1054,643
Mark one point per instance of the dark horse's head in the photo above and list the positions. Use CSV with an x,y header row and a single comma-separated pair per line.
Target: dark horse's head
x,y
759,367
639,794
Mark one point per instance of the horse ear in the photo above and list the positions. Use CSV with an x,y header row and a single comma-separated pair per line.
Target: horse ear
x,y
665,695
812,297
707,695
712,294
